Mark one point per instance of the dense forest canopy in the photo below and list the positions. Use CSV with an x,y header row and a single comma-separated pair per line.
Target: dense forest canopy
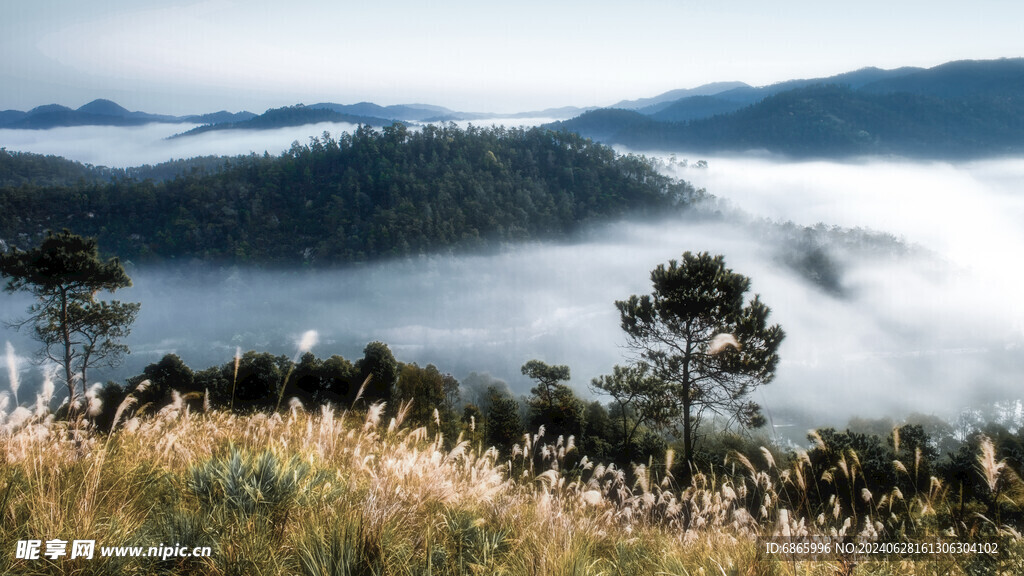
x,y
357,197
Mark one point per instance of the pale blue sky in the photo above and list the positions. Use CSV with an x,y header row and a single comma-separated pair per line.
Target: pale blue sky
x,y
189,56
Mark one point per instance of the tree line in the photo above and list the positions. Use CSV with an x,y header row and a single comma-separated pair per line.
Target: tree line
x,y
34,171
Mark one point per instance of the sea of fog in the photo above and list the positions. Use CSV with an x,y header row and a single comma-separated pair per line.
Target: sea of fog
x,y
931,329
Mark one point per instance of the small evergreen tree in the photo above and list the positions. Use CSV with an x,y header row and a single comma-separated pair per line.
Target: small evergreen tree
x,y
170,373
380,365
503,427
700,339
553,404
77,331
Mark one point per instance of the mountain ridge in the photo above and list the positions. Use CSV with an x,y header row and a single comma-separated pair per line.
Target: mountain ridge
x,y
103,112
969,107
963,108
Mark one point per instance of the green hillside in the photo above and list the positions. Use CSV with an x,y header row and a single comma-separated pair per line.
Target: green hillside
x,y
362,196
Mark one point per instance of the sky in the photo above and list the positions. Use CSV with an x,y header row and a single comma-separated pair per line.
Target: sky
x,y
189,56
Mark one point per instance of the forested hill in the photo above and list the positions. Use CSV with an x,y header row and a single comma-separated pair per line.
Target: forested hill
x,y
362,196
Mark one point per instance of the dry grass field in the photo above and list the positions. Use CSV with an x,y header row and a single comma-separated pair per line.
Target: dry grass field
x,y
329,493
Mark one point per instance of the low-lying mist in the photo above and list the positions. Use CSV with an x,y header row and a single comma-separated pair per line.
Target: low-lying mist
x,y
926,319
124,147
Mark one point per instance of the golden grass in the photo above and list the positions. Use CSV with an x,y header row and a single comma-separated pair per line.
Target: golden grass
x,y
343,493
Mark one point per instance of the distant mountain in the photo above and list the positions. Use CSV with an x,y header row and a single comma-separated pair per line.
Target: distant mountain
x,y
10,116
104,108
971,108
839,121
654,104
611,125
289,116
51,115
693,108
707,101
826,121
963,107
98,112
410,112
959,80
370,114
49,109
219,117
855,79
562,112
104,113
107,113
